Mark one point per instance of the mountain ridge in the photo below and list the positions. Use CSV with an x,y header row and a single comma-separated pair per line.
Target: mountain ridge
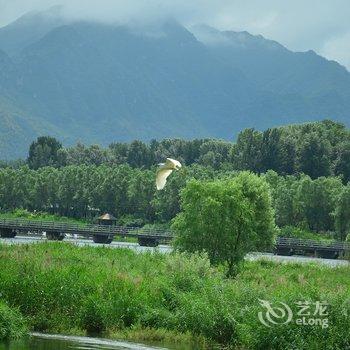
x,y
99,83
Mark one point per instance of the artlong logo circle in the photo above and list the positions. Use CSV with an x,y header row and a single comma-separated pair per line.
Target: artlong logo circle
x,y
274,315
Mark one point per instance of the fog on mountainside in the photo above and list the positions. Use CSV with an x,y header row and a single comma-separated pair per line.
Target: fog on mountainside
x,y
100,83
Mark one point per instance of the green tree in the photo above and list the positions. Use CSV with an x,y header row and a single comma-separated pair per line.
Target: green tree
x,y
271,152
44,152
314,156
287,156
215,153
342,162
246,154
284,190
139,155
140,193
342,214
225,218
118,152
316,202
92,155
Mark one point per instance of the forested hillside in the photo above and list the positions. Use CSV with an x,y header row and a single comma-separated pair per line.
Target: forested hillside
x,y
297,161
103,83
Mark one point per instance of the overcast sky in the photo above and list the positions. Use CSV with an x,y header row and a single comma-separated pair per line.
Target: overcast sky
x,y
321,25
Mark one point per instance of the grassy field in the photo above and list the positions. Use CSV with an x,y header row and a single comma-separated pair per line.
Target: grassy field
x,y
68,289
12,323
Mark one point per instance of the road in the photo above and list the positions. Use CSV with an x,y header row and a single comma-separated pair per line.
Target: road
x,y
167,249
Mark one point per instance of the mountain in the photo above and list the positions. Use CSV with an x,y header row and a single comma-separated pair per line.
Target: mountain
x,y
100,83
323,85
28,29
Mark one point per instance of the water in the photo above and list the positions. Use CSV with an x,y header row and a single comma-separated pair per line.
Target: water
x,y
60,342
86,242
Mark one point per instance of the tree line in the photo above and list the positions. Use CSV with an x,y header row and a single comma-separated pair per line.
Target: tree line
x,y
319,205
315,149
84,191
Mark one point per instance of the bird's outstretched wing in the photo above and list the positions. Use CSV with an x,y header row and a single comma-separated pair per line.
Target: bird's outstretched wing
x,y
172,163
162,175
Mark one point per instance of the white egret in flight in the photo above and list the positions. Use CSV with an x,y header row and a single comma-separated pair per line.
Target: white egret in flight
x,y
165,169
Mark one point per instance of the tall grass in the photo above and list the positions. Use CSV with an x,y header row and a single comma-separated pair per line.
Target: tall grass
x,y
12,323
64,288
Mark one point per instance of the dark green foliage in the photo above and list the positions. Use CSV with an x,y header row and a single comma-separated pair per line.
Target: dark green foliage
x,y
314,157
342,162
342,214
316,149
316,201
214,153
45,152
137,154
81,154
246,155
306,203
82,191
271,152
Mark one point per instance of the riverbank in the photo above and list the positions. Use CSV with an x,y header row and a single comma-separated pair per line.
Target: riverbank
x,y
61,288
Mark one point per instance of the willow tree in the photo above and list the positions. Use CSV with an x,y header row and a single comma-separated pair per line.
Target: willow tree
x,y
225,218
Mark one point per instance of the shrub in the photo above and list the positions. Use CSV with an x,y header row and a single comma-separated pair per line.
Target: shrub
x,y
12,323
297,232
131,221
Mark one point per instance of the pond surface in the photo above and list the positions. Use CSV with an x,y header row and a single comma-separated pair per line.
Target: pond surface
x,y
59,342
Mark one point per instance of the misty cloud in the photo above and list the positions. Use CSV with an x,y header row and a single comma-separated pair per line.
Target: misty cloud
x,y
301,25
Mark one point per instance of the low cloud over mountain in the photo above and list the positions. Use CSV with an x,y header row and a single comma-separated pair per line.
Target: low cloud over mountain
x,y
103,82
